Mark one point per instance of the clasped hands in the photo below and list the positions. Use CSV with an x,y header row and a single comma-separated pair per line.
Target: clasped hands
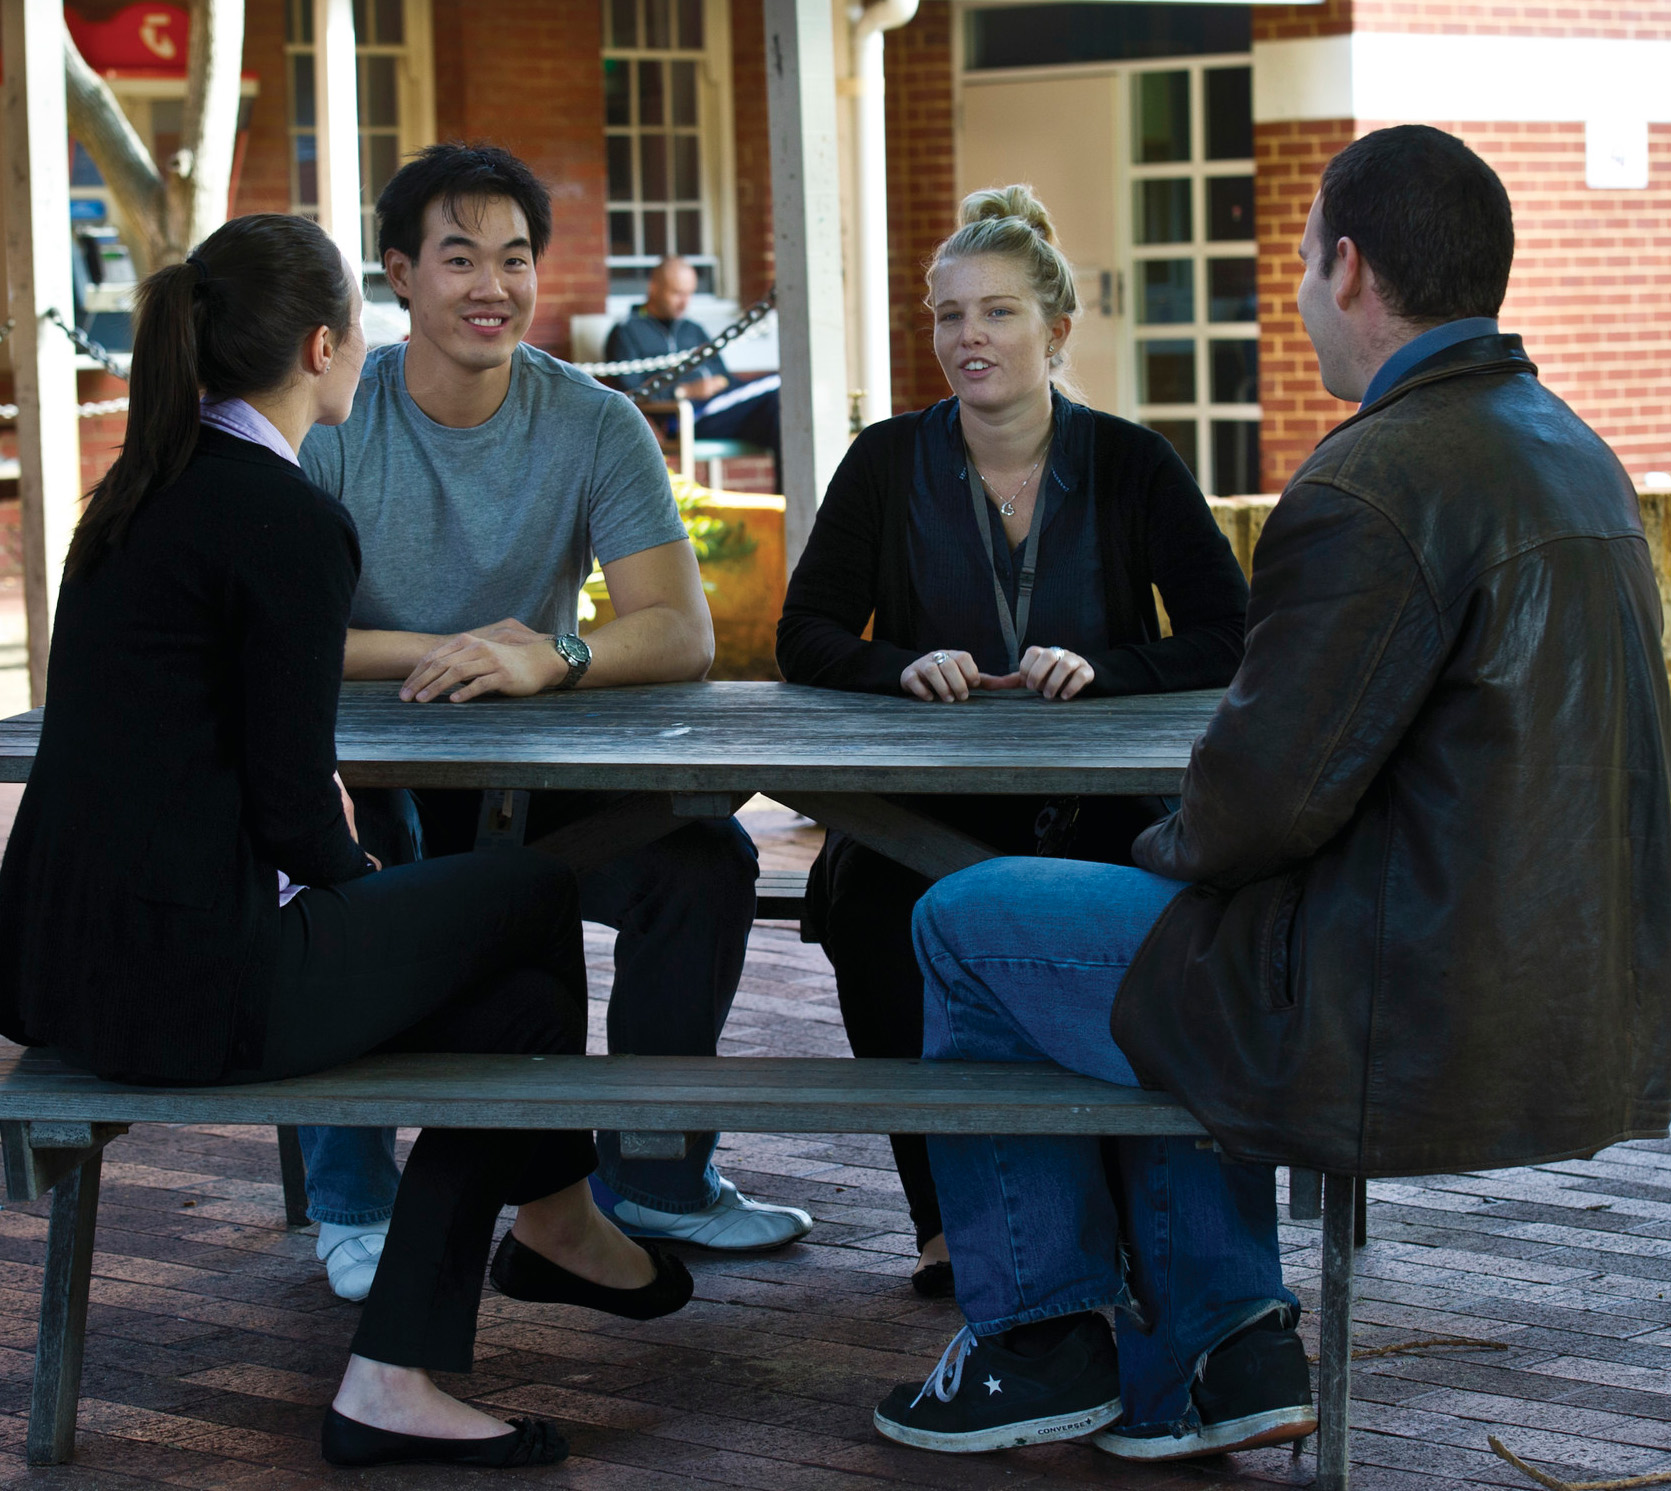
x,y
497,659
1053,672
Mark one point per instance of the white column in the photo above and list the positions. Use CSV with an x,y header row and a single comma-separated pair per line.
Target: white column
x,y
36,204
806,220
337,123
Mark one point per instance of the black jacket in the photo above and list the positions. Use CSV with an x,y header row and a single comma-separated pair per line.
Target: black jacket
x,y
186,755
1154,526
1430,824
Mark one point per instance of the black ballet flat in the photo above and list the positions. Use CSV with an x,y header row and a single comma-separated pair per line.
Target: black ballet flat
x,y
521,1273
348,1442
935,1280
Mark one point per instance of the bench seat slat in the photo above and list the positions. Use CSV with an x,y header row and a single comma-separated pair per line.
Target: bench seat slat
x,y
741,1094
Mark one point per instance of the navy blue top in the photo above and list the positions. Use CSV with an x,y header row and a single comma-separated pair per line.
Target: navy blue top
x,y
644,335
1418,349
950,558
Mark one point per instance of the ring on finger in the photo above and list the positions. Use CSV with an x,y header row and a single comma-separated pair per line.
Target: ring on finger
x,y
941,659
1058,653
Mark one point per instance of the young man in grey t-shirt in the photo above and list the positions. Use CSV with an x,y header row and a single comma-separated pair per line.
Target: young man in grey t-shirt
x,y
483,475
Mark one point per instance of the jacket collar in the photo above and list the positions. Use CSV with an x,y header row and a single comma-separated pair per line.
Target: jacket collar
x,y
1503,353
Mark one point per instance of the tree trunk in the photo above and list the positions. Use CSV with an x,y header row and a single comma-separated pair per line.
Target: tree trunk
x,y
97,121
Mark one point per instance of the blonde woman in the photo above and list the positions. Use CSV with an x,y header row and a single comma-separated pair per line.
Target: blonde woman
x,y
1008,537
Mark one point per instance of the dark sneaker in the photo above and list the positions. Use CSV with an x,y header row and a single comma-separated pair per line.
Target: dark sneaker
x,y
1255,1390
984,1397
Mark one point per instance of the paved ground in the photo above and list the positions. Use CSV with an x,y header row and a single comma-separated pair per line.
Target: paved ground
x,y
213,1340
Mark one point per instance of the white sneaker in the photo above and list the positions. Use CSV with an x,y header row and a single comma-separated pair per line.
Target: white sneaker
x,y
733,1224
350,1255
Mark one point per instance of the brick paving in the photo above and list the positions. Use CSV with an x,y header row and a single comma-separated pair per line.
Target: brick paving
x,y
213,1342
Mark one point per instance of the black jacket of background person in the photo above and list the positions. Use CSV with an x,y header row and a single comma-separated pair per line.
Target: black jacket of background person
x,y
1430,824
1153,525
185,756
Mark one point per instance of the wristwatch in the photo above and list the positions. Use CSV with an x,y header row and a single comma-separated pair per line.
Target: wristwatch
x,y
573,651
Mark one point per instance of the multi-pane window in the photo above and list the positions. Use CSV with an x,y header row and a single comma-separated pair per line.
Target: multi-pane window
x,y
1194,268
653,59
382,47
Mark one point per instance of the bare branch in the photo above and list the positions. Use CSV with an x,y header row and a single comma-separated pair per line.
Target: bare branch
x,y
200,176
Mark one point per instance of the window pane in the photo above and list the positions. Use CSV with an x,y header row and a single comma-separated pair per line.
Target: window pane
x,y
1163,212
690,25
1235,372
684,93
391,22
651,105
1235,458
620,234
307,172
82,170
652,161
1232,293
1167,290
382,158
1166,372
620,169
690,230
655,233
1229,100
1160,129
623,23
301,93
687,168
1229,208
1181,432
379,92
617,91
658,24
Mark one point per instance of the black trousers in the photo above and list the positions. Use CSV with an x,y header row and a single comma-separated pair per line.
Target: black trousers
x,y
474,953
861,905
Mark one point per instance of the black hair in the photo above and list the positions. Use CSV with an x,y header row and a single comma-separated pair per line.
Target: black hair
x,y
229,322
456,173
1429,217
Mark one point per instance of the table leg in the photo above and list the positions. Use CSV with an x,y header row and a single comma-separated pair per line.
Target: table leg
x,y
65,1282
1334,1375
906,836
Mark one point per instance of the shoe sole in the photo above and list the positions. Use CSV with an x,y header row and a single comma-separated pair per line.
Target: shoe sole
x,y
1004,1436
708,1247
1275,1426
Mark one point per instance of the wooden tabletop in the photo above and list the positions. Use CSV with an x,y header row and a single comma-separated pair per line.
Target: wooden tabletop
x,y
750,737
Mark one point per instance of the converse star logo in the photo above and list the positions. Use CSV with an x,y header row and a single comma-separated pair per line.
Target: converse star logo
x,y
993,1385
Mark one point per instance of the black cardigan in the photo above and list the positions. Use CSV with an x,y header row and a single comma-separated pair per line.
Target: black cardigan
x,y
1154,526
186,755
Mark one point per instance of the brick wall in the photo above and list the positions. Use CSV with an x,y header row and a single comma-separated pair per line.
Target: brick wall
x,y
1292,22
1486,17
264,175
756,253
922,190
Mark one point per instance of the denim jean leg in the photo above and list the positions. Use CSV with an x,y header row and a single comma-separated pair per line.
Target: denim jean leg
x,y
1022,961
682,908
351,1174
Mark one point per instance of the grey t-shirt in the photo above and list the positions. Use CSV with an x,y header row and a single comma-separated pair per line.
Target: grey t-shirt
x,y
460,528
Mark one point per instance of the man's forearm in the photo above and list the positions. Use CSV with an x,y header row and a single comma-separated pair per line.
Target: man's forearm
x,y
386,654
658,644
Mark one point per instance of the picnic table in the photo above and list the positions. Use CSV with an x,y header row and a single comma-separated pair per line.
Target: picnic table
x,y
659,757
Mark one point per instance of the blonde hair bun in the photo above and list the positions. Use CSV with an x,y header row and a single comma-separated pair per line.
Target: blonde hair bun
x,y
1015,201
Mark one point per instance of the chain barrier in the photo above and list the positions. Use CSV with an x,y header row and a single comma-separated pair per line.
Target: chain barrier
x,y
671,364
86,344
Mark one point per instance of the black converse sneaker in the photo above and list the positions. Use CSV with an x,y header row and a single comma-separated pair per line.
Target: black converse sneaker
x,y
983,1396
1254,1390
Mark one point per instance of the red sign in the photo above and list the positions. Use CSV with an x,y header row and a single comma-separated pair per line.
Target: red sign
x,y
149,38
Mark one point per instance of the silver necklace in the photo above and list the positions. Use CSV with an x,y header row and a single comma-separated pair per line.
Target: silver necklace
x,y
1007,507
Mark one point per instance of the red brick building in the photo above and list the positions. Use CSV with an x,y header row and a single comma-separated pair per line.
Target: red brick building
x,y
1179,145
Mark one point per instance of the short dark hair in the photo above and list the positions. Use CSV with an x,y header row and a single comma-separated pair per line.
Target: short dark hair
x,y
1429,217
454,173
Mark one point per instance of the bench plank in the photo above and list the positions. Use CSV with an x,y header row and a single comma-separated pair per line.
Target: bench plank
x,y
742,1094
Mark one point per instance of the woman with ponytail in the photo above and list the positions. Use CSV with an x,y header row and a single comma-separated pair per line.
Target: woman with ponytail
x,y
183,899
1007,538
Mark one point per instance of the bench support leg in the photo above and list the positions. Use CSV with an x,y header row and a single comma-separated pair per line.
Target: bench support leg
x,y
293,1171
64,1286
1334,1376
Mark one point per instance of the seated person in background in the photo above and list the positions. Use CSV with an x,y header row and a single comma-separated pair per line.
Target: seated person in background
x,y
724,411
1411,914
183,898
484,475
1003,514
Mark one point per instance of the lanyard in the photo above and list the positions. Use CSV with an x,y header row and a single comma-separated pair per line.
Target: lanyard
x,y
1014,627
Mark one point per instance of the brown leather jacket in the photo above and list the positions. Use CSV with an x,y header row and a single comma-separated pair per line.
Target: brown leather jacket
x,y
1429,828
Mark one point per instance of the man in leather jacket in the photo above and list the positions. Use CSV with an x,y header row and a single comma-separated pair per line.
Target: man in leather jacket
x,y
1411,914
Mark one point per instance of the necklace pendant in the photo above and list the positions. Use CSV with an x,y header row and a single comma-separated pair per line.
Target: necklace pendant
x,y
1008,508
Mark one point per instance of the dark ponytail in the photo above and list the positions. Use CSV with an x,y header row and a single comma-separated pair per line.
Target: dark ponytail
x,y
227,323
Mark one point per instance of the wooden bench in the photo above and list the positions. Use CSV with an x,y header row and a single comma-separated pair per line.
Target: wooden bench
x,y
780,895
55,1122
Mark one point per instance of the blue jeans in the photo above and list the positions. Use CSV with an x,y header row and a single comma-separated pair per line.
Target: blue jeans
x,y
1022,960
682,907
